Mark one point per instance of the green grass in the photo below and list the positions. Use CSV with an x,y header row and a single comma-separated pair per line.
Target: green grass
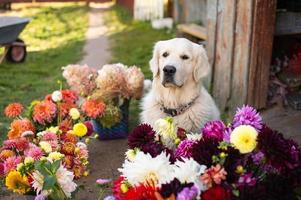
x,y
55,38
131,44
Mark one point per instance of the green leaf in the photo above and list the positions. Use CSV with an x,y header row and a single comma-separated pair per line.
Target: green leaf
x,y
49,182
55,165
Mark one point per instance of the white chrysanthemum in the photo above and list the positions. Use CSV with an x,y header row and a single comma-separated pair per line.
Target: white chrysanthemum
x,y
189,171
65,179
38,182
56,96
144,169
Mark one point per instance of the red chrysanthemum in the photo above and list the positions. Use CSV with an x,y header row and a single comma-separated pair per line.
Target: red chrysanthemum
x,y
93,108
17,127
216,193
141,192
116,189
69,96
13,110
44,112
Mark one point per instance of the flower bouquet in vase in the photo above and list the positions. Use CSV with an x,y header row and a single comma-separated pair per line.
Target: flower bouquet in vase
x,y
106,95
241,161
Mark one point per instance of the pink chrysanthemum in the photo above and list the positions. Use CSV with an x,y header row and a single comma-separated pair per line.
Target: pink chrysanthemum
x,y
44,112
185,149
11,163
214,175
20,144
13,110
247,115
49,136
35,152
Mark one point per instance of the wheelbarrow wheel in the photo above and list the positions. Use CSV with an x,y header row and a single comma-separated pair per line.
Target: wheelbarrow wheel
x,y
16,53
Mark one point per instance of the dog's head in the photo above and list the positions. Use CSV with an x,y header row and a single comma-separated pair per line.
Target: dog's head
x,y
177,60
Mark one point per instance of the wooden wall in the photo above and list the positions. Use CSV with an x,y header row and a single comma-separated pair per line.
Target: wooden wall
x,y
240,38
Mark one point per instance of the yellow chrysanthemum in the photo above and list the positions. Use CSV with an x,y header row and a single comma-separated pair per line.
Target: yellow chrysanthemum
x,y
74,113
55,155
244,138
17,183
80,129
45,146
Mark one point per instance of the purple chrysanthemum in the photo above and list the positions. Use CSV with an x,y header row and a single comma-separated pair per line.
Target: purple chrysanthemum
x,y
188,193
257,157
141,135
214,129
247,115
153,148
185,149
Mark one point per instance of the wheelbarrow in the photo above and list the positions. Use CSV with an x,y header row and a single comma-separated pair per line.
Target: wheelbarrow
x,y
10,29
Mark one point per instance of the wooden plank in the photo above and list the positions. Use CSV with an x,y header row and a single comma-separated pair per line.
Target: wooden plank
x,y
261,51
211,39
243,33
224,52
194,30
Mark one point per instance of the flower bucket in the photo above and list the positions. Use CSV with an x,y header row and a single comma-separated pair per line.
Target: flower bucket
x,y
119,130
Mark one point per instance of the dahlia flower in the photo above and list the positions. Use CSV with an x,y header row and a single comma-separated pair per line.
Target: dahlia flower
x,y
74,113
217,193
142,191
140,171
173,188
134,82
141,135
188,193
214,175
69,96
247,115
80,129
80,78
184,149
214,129
166,130
65,180
189,171
17,127
68,148
93,108
19,144
56,96
6,153
44,112
244,138
48,136
13,110
116,189
35,152
11,163
17,183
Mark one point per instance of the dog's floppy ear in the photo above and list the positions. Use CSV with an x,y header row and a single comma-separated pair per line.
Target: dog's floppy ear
x,y
202,66
154,62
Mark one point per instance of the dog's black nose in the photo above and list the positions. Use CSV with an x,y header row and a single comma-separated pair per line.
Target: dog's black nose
x,y
169,70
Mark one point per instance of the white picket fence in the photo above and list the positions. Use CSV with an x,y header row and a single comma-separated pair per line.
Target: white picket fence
x,y
148,9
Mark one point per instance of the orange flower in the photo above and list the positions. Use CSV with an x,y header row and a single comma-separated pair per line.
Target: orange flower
x,y
17,127
68,137
65,125
65,108
214,174
68,148
6,154
93,108
44,112
68,161
78,171
13,110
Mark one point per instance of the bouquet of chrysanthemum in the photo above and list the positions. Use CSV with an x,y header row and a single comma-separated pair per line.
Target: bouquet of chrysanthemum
x,y
244,160
46,146
107,103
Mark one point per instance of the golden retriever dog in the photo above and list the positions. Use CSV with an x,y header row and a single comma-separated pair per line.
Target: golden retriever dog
x,y
178,66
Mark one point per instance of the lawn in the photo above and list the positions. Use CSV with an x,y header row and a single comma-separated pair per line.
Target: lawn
x,y
131,44
55,37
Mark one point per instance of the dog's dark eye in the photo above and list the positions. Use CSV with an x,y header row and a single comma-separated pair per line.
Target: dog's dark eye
x,y
184,57
165,54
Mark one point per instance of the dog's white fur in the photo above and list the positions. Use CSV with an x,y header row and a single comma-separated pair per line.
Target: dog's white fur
x,y
187,85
